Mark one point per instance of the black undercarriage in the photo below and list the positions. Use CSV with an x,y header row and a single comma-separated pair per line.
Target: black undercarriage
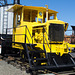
x,y
53,61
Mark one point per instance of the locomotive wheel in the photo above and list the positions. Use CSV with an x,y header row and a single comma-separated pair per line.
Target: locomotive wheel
x,y
34,73
3,48
27,69
23,56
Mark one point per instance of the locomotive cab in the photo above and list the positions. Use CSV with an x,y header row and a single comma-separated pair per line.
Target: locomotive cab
x,y
39,36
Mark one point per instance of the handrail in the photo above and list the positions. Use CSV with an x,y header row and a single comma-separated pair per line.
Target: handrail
x,y
46,39
47,44
28,55
29,42
46,33
30,34
22,34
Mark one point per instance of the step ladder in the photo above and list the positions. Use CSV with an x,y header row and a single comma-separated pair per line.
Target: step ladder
x,y
34,51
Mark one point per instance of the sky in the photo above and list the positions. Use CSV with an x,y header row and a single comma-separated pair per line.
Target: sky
x,y
66,8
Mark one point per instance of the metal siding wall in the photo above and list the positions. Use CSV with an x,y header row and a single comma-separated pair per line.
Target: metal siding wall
x,y
0,19
10,19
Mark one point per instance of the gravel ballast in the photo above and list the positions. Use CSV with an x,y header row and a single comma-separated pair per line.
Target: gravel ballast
x,y
8,69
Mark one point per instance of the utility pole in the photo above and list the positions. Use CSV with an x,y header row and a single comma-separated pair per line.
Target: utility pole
x,y
5,2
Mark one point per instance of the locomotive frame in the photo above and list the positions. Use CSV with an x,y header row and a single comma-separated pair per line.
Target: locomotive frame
x,y
32,40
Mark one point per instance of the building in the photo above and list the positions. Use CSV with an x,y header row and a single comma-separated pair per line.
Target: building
x,y
6,18
67,38
73,35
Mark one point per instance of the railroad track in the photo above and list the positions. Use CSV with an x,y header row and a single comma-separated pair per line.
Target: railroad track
x,y
67,73
24,66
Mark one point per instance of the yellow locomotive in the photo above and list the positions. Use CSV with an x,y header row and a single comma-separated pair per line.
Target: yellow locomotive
x,y
39,37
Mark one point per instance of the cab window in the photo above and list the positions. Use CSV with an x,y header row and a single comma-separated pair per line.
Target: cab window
x,y
18,17
30,15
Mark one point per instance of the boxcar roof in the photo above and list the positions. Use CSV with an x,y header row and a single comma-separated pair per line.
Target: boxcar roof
x,y
16,7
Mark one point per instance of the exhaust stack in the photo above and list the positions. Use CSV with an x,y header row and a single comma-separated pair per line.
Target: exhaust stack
x,y
16,1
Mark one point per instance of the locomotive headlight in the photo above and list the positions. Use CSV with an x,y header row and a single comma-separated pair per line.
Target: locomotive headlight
x,y
69,48
72,48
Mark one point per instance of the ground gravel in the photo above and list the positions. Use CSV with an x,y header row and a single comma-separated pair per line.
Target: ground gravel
x,y
7,69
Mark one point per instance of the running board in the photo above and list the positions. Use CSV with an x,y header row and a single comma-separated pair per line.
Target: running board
x,y
52,67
